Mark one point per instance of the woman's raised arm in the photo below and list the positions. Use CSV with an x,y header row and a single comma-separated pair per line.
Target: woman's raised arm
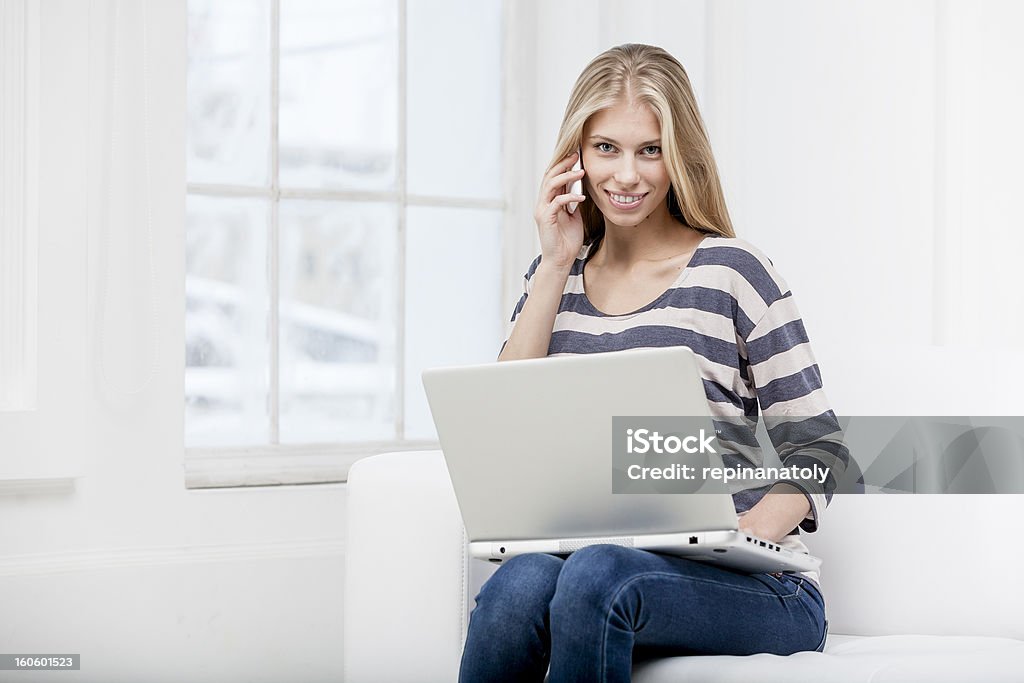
x,y
561,237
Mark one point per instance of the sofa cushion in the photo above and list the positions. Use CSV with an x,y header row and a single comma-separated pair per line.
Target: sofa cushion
x,y
857,659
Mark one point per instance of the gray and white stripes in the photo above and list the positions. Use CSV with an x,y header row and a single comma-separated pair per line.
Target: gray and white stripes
x,y
731,307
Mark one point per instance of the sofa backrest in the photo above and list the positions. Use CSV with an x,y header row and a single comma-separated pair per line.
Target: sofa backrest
x,y
928,564
925,564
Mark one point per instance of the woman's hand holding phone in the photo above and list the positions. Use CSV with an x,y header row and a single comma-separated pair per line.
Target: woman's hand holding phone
x,y
561,231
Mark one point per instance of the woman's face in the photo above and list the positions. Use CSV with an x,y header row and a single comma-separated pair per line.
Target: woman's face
x,y
626,174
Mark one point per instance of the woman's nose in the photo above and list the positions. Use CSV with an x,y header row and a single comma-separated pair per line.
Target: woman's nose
x,y
626,173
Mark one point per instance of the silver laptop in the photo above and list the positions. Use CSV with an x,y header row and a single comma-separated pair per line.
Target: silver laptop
x,y
528,445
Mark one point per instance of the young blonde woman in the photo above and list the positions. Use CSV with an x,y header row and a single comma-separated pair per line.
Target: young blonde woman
x,y
649,258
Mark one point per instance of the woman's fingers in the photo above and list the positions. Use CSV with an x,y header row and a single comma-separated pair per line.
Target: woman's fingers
x,y
557,184
563,199
563,166
553,191
563,179
548,213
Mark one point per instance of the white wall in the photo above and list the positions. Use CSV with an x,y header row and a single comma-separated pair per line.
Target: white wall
x,y
148,581
864,146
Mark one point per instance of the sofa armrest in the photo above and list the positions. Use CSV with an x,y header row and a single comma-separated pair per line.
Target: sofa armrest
x,y
406,571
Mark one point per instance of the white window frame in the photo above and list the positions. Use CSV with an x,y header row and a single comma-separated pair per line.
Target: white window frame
x,y
276,463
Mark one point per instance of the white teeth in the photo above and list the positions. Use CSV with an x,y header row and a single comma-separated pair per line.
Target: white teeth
x,y
625,200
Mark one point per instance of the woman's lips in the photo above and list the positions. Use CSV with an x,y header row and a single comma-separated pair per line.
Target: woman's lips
x,y
626,206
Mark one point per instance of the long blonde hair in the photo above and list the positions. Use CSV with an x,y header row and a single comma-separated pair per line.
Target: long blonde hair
x,y
650,75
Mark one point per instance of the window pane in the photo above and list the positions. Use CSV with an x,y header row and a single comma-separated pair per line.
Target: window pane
x,y
339,94
226,305
452,298
337,312
454,98
228,91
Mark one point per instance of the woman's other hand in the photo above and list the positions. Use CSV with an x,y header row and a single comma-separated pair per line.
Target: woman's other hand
x,y
776,514
561,232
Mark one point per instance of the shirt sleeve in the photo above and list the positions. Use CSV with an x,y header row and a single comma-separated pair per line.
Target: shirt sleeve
x,y
527,282
796,412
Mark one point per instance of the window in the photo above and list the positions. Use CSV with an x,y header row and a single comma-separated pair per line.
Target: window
x,y
344,223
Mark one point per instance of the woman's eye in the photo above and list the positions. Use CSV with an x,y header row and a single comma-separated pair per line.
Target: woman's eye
x,y
652,150
604,147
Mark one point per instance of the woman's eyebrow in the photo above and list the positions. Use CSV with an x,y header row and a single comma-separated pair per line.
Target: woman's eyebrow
x,y
608,139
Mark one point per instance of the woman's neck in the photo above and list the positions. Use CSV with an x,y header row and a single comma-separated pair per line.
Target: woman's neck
x,y
624,247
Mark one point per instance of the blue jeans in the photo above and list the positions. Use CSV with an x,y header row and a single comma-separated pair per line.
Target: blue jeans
x,y
590,614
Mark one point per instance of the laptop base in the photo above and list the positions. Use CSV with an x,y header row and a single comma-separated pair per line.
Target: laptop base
x,y
730,549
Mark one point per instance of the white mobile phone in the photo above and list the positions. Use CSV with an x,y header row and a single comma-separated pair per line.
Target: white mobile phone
x,y
577,185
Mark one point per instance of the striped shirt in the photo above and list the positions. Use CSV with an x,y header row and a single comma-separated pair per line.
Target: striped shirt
x,y
735,312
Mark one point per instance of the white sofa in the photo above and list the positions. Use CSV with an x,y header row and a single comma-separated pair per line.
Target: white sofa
x,y
918,588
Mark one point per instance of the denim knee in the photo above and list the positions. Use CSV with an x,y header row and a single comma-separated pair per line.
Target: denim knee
x,y
521,588
594,574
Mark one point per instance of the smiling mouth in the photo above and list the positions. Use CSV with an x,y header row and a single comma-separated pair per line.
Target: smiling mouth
x,y
625,201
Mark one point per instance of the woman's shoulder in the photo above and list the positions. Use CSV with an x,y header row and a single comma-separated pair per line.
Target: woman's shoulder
x,y
742,259
740,250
